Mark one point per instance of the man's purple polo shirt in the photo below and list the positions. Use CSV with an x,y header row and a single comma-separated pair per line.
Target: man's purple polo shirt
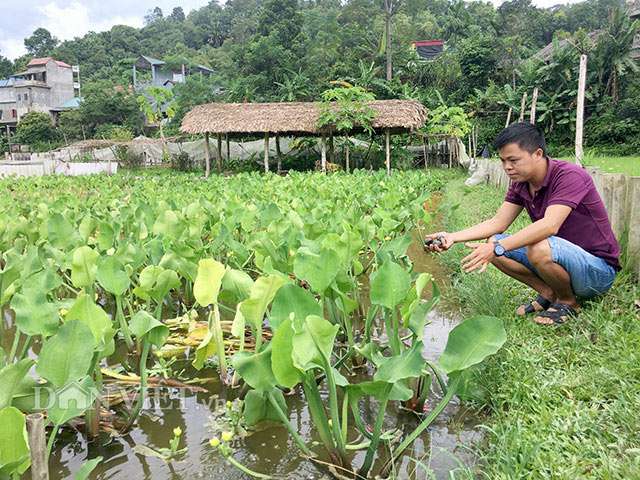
x,y
587,225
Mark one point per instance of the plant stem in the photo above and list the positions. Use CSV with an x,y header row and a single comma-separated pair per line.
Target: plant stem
x,y
123,324
287,424
25,348
443,384
368,460
316,408
146,345
238,465
14,347
219,341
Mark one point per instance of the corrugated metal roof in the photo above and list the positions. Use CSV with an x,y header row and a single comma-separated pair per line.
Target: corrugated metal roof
x,y
152,61
71,103
44,60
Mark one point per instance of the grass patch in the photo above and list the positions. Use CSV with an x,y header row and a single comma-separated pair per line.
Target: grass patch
x,y
628,165
564,399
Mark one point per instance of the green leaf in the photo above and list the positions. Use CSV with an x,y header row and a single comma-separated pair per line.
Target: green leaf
x,y
14,448
34,314
390,285
92,315
257,406
255,369
83,266
318,269
406,365
166,281
60,231
67,355
87,467
282,365
111,276
10,377
208,281
167,224
313,343
71,400
471,342
106,236
236,286
143,324
292,299
262,293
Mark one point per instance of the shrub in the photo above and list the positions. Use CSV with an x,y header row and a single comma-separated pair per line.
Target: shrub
x,y
183,162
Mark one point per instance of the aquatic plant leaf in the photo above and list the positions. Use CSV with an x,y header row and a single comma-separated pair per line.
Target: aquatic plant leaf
x,y
390,285
206,348
167,281
83,266
318,269
262,293
59,230
236,286
111,276
208,281
295,300
282,365
255,369
71,400
257,406
14,447
406,365
10,377
143,324
313,343
67,355
471,342
92,315
106,235
87,467
35,315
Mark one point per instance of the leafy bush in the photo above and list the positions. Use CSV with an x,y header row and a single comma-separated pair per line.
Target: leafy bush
x,y
36,127
183,162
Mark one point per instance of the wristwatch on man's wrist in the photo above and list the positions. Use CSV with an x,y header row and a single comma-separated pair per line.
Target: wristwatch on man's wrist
x,y
498,249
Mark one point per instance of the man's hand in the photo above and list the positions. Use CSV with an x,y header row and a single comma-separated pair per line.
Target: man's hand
x,y
440,241
481,257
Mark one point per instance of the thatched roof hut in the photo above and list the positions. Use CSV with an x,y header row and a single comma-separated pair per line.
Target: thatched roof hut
x,y
293,118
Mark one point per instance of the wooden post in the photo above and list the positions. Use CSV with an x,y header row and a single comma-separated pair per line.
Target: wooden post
x,y
524,103
346,154
475,141
266,152
323,153
449,144
425,154
387,149
332,153
219,153
469,142
228,150
279,153
207,155
84,136
582,82
534,98
633,246
37,446
508,117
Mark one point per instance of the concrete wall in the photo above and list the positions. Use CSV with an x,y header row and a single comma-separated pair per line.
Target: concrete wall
x,y
621,197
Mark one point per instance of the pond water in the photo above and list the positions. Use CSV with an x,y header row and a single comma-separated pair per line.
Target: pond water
x,y
269,449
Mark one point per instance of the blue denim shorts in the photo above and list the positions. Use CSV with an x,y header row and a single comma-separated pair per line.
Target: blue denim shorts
x,y
590,275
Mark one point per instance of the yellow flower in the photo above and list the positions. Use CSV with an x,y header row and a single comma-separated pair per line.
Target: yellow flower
x,y
226,436
214,442
177,431
330,423
228,404
386,239
159,354
229,253
63,312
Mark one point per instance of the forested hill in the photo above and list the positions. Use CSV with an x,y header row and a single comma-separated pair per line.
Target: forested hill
x,y
262,41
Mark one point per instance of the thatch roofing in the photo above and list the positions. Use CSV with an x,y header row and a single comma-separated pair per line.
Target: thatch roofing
x,y
111,143
293,118
546,52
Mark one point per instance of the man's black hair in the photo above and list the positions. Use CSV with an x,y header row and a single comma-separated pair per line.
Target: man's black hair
x,y
526,135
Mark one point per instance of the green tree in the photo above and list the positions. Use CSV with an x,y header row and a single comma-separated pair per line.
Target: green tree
x,y
35,128
6,67
283,17
40,43
104,103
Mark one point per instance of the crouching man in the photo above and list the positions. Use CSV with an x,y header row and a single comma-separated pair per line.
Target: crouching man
x,y
568,250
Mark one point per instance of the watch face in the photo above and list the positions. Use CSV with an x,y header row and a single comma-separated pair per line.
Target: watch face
x,y
498,250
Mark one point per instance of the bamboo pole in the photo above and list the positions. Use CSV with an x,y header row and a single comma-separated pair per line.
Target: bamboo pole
x,y
323,153
266,152
219,153
346,151
508,117
475,141
387,149
278,153
37,446
522,105
228,150
449,144
534,99
332,153
425,154
207,155
582,82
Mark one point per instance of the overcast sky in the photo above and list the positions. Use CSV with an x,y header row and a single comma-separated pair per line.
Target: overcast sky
x,y
66,19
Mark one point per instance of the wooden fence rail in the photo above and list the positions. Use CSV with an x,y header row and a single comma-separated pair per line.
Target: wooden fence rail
x,y
620,194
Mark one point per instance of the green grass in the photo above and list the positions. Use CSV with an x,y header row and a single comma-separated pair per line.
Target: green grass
x,y
564,400
628,165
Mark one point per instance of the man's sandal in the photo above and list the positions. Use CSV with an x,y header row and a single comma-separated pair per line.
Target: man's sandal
x,y
561,313
540,300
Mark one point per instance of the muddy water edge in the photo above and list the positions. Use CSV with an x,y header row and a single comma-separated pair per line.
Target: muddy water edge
x,y
268,448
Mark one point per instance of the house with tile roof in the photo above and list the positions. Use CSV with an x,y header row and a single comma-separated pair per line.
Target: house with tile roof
x,y
44,86
164,76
